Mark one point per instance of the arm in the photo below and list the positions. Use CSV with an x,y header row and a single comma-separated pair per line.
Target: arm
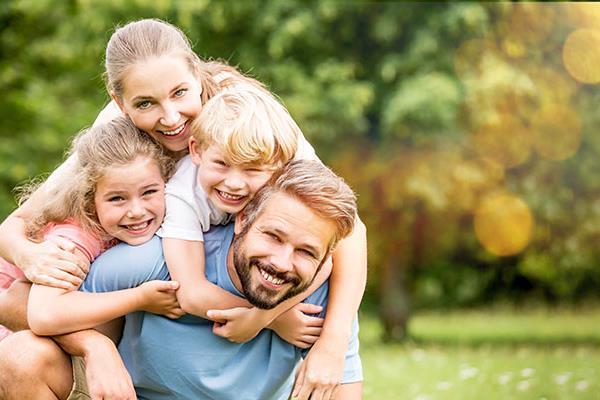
x,y
48,262
321,371
55,311
106,375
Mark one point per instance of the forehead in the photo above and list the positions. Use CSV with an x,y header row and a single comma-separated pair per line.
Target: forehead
x,y
214,150
140,172
155,75
297,223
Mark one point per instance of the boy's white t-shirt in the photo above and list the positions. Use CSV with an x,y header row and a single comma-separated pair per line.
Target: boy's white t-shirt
x,y
189,212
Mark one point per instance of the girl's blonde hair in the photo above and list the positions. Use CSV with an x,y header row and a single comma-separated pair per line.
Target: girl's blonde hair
x,y
96,150
249,125
148,38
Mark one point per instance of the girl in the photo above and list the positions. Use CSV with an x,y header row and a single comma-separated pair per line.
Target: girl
x,y
155,79
115,194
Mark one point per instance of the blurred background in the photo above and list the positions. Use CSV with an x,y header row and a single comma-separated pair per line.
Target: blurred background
x,y
468,131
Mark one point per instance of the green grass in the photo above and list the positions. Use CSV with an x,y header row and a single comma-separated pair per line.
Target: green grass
x,y
489,354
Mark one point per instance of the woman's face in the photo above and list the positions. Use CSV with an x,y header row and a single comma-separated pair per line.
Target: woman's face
x,y
161,95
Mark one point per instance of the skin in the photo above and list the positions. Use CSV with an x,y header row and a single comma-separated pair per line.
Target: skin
x,y
129,201
228,186
163,107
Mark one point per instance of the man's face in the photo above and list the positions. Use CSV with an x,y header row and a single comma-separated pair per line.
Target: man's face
x,y
279,255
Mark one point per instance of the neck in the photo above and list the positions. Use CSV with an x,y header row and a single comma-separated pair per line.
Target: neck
x,y
231,270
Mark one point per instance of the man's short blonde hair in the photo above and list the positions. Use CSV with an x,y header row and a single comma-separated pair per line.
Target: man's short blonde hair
x,y
249,125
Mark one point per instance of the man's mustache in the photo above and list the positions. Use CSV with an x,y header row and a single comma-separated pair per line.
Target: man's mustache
x,y
269,269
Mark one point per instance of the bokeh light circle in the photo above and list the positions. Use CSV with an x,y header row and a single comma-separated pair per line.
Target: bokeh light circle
x,y
503,224
581,55
506,141
557,132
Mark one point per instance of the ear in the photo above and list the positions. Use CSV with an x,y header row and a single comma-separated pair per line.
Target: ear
x,y
195,150
240,220
117,100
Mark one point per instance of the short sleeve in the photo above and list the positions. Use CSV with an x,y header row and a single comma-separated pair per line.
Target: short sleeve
x,y
87,243
181,220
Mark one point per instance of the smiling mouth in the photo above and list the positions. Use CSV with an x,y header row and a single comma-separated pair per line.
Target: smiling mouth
x,y
229,197
139,227
270,278
174,132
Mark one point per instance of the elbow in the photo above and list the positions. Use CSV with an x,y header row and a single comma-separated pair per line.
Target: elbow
x,y
190,304
41,323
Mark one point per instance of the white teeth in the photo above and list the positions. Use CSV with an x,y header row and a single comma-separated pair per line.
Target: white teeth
x,y
271,278
229,196
175,132
138,227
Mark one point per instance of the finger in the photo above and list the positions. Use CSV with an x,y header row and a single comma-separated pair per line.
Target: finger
x,y
299,380
219,315
329,393
167,286
57,283
63,243
317,394
312,331
305,392
71,268
313,321
308,308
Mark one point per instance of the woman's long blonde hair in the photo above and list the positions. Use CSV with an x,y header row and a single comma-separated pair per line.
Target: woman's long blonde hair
x,y
97,149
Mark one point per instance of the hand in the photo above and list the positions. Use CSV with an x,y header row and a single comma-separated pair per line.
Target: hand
x,y
54,262
239,324
320,374
106,376
297,328
158,297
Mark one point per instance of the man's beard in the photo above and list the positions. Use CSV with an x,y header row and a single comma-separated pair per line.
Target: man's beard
x,y
257,294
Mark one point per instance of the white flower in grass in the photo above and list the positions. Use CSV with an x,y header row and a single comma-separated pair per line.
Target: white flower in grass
x,y
527,372
444,385
523,386
561,379
467,372
582,386
504,378
418,355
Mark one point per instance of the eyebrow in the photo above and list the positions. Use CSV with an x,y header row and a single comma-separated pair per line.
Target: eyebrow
x,y
306,246
144,98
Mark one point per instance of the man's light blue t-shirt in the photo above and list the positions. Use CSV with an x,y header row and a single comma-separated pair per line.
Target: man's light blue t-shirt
x,y
183,359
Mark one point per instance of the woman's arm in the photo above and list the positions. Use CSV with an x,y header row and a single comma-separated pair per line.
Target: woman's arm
x,y
49,262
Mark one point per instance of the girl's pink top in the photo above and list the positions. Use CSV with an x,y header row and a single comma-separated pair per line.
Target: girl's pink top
x,y
87,243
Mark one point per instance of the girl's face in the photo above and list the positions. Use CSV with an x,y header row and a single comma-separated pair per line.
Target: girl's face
x,y
228,187
130,200
162,96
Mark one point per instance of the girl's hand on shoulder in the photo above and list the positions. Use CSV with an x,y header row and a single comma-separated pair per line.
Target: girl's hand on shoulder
x,y
54,262
296,327
239,324
158,297
320,374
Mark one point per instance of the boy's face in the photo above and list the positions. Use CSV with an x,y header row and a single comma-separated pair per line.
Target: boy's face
x,y
228,187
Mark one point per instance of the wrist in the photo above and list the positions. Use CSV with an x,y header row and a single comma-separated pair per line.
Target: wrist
x,y
93,343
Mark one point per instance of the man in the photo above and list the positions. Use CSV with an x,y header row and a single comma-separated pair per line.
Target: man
x,y
272,251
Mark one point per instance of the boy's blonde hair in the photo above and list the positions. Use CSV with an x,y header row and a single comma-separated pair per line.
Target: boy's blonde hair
x,y
115,143
249,125
141,40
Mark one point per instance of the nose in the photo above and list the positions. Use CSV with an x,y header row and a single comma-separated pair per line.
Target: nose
x,y
136,210
282,258
235,180
170,115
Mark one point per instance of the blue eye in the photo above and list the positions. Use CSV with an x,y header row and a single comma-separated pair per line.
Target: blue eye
x,y
142,105
180,92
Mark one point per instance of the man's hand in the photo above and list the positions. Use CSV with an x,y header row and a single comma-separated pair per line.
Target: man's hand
x,y
54,262
106,375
